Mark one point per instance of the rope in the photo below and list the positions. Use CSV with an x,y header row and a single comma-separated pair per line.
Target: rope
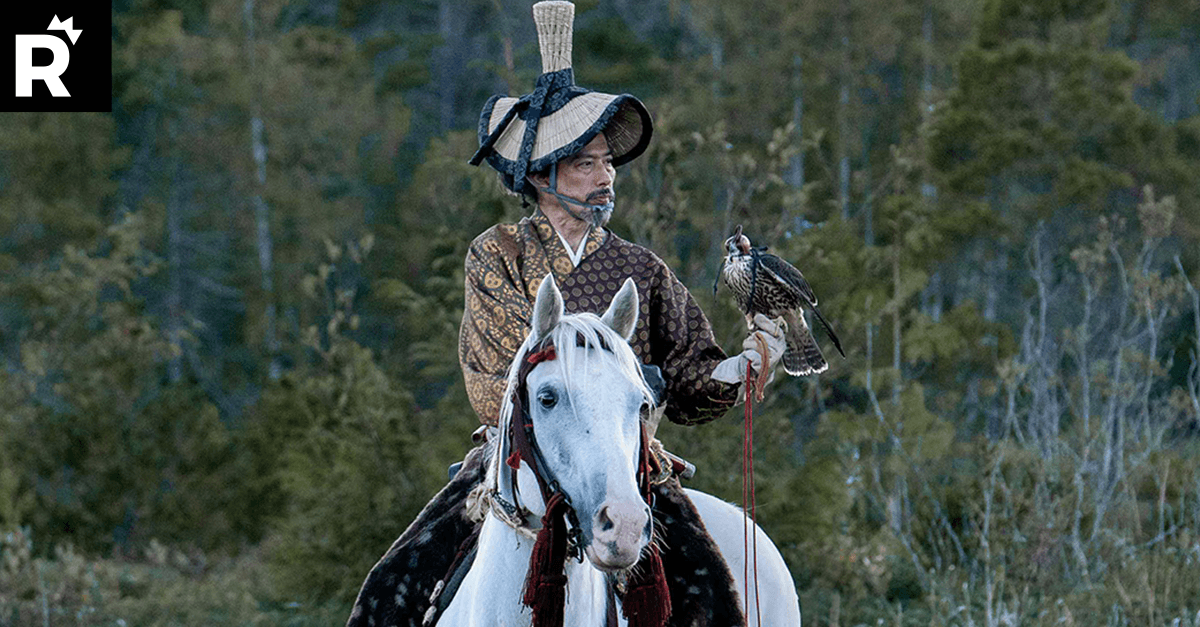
x,y
749,504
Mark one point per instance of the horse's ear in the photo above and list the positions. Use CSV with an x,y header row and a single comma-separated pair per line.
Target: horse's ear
x,y
547,309
623,311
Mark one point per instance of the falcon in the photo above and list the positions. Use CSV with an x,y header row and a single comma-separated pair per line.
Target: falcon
x,y
764,283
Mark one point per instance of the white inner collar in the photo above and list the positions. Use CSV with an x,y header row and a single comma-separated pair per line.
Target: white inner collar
x,y
575,255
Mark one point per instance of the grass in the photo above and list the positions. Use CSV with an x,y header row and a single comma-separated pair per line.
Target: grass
x,y
162,588
166,587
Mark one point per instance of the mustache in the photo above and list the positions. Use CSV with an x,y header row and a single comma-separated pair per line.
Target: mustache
x,y
601,193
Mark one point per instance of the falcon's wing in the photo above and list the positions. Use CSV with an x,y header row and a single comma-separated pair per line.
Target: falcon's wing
x,y
787,274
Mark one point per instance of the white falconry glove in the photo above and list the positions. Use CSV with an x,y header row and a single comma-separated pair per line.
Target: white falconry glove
x,y
733,370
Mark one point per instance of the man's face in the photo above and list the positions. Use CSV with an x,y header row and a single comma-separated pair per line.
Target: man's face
x,y
586,176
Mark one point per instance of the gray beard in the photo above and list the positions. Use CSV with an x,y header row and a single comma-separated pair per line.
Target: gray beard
x,y
600,214
595,215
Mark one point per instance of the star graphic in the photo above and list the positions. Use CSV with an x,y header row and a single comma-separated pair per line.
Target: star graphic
x,y
66,27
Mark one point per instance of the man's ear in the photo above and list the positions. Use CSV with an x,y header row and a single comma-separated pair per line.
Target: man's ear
x,y
539,180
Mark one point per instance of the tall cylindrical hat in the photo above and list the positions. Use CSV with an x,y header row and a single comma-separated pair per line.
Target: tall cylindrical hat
x,y
518,136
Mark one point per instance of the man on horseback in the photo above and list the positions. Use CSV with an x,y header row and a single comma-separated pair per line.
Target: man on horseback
x,y
559,148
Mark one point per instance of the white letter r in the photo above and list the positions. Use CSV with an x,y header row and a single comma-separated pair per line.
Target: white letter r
x,y
27,72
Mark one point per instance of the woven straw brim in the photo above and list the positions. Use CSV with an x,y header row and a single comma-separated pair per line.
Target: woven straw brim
x,y
625,130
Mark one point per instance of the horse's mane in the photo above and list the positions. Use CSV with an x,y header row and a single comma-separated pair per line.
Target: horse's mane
x,y
576,338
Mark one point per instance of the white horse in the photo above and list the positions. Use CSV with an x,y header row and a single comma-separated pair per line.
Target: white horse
x,y
585,403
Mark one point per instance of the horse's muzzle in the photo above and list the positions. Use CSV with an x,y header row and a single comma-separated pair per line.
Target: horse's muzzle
x,y
619,533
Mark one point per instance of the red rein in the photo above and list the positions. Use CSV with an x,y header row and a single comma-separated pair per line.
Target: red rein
x,y
749,506
647,601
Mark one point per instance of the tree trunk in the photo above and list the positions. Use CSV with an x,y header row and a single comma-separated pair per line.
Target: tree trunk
x,y
843,112
503,19
262,214
795,172
896,330
446,69
175,261
722,195
928,190
868,199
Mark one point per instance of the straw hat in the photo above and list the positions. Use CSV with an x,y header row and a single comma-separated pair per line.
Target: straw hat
x,y
518,136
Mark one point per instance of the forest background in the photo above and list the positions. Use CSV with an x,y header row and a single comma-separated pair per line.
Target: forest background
x,y
229,309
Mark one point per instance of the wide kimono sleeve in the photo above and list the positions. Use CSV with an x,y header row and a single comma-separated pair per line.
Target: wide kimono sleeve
x,y
495,321
682,342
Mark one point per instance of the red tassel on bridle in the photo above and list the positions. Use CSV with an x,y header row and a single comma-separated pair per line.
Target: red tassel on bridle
x,y
546,583
647,601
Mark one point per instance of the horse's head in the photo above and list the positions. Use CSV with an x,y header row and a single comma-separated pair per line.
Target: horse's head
x,y
583,393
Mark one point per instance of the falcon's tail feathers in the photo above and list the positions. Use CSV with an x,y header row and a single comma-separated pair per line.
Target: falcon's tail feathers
x,y
829,329
802,356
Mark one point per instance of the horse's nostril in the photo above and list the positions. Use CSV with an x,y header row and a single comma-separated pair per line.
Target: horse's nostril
x,y
602,517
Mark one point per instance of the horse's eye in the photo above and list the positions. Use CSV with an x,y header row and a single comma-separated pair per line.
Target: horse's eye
x,y
547,398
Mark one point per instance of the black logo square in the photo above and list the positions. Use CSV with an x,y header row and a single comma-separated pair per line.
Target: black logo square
x,y
57,56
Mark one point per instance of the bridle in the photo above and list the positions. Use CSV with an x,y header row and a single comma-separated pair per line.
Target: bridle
x,y
523,447
523,444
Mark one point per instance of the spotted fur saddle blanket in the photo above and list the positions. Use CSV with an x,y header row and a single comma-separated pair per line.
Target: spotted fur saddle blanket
x,y
397,591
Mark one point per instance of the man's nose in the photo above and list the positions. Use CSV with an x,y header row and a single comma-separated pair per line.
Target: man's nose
x,y
606,176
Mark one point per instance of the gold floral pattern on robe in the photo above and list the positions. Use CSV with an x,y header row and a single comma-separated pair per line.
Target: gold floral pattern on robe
x,y
504,267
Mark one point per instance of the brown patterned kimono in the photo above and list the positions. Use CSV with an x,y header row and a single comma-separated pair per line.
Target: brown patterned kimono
x,y
506,264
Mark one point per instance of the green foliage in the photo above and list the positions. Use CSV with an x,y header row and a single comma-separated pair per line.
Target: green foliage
x,y
347,442
57,174
107,451
616,60
1044,117
349,457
